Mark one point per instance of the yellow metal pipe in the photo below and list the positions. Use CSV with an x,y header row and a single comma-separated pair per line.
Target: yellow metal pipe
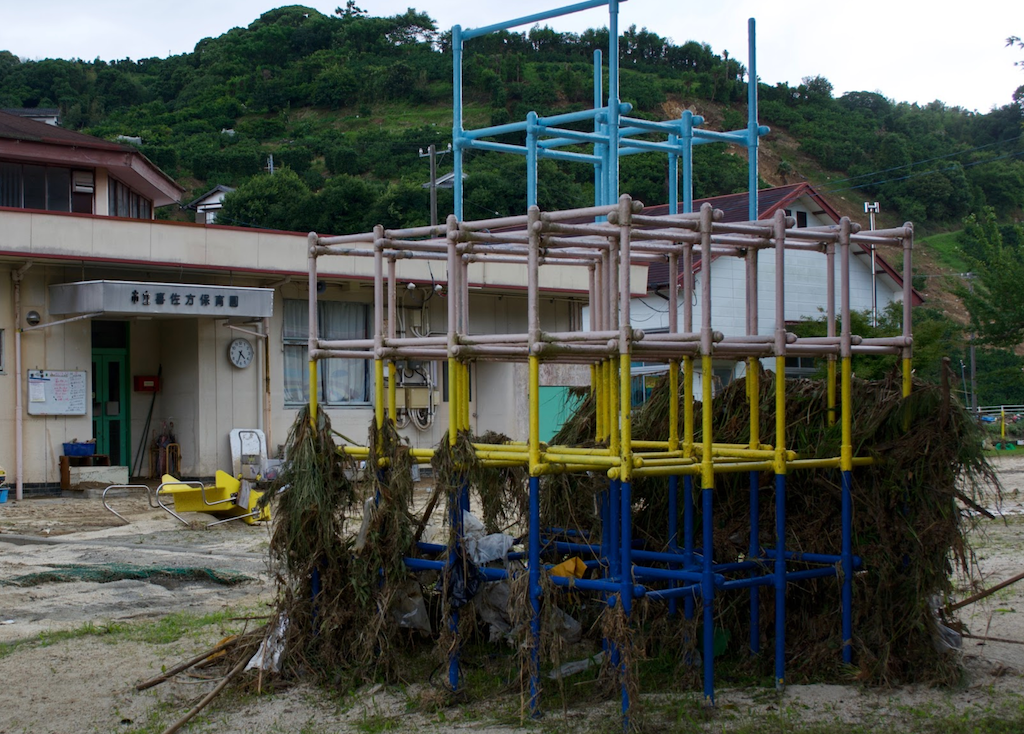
x,y
465,397
551,458
615,424
626,420
666,461
688,404
453,403
673,404
578,450
392,392
534,407
707,467
542,469
312,395
780,415
907,374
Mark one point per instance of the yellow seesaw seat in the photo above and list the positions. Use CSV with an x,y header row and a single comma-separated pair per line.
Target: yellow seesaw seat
x,y
221,500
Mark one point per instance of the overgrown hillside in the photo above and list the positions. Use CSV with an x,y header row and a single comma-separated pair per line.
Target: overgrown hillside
x,y
346,102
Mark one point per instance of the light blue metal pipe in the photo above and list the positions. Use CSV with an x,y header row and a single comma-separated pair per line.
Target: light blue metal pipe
x,y
649,125
457,131
611,193
631,147
561,155
752,130
598,148
531,159
688,121
535,18
714,136
574,136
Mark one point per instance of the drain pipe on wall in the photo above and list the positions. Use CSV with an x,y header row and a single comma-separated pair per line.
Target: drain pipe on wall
x,y
19,443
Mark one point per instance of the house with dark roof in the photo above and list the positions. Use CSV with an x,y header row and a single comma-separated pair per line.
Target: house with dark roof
x,y
806,283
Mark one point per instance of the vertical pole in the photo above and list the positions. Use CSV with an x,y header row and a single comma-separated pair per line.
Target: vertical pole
x,y
908,303
753,386
830,315
534,342
600,150
688,509
612,191
846,447
707,473
752,131
378,324
457,129
432,150
392,327
311,316
673,407
686,138
673,176
780,450
531,159
453,372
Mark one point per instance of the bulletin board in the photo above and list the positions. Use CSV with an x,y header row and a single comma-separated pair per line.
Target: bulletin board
x,y
52,392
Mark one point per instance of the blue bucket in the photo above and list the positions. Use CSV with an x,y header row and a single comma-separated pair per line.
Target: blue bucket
x,y
3,496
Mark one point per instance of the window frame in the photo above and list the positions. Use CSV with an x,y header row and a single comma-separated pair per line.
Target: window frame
x,y
297,341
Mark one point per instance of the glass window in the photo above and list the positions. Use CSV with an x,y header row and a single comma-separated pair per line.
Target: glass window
x,y
123,202
34,178
58,189
10,185
341,381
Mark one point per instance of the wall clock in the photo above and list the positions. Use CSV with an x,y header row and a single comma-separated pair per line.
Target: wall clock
x,y
240,352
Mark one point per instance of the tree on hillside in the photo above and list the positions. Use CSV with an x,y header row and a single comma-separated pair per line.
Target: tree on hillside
x,y
993,293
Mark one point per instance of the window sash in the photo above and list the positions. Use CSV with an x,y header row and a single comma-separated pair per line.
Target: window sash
x,y
340,381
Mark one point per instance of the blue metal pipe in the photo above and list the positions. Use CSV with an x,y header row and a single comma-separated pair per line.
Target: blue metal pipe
x,y
688,537
597,585
535,18
676,574
810,573
847,565
708,595
691,592
425,564
535,594
754,551
614,557
673,481
800,557
666,128
625,545
780,581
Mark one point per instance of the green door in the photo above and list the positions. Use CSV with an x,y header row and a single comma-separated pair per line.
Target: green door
x,y
110,418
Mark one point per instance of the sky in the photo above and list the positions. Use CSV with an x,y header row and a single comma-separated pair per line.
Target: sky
x,y
947,53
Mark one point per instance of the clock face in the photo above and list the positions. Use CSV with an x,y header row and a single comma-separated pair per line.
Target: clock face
x,y
240,352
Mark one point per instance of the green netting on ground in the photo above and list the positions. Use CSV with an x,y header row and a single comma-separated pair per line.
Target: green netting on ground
x,y
107,572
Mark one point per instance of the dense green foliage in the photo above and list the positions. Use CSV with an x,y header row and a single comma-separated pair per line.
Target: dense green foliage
x,y
346,102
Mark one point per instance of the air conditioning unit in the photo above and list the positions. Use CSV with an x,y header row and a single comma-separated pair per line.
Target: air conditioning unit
x,y
82,182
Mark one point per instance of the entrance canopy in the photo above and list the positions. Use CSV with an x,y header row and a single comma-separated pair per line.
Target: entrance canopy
x,y
139,298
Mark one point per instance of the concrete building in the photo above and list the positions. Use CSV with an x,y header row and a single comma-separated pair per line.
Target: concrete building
x,y
97,299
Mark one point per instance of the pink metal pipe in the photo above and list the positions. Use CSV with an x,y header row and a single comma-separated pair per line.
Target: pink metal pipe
x,y
908,287
862,349
415,341
590,243
518,220
344,251
780,282
687,289
844,291
378,287
705,290
347,239
463,351
434,246
340,354
587,211
598,229
625,327
673,293
673,221
421,353
346,344
438,232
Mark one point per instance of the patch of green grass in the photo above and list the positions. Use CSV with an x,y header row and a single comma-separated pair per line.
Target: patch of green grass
x,y
947,251
167,629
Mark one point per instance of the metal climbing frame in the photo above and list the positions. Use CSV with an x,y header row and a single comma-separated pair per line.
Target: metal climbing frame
x,y
609,248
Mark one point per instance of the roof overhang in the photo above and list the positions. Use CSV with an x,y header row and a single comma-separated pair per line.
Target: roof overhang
x,y
129,167
121,298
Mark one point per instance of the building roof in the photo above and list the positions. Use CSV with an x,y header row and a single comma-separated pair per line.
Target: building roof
x,y
736,209
218,189
32,141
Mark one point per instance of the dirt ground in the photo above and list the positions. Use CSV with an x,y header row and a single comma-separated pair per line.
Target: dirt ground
x,y
86,682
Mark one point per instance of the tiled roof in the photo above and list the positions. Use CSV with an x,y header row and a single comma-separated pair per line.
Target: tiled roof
x,y
735,207
14,127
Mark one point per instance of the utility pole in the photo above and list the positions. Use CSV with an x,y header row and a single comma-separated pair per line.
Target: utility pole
x,y
432,152
871,210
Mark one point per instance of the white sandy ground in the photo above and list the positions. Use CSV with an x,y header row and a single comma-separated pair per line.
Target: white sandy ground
x,y
86,684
